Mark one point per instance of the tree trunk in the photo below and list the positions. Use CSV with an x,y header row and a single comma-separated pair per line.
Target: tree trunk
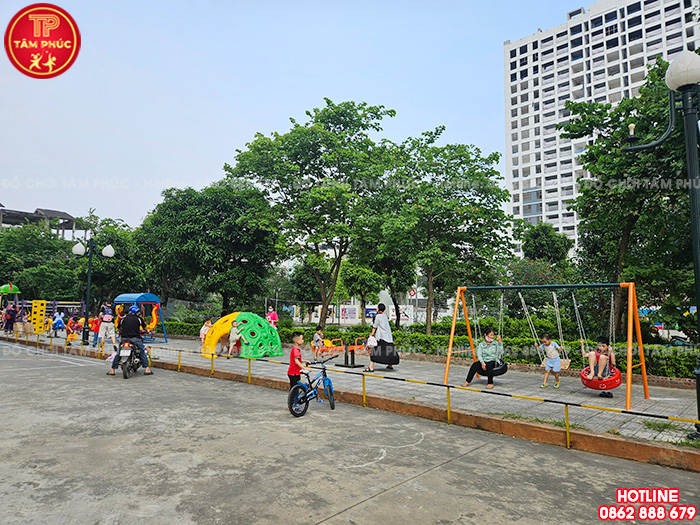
x,y
164,290
363,303
622,250
395,300
429,306
225,303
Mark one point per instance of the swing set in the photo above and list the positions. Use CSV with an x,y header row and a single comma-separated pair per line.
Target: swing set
x,y
615,377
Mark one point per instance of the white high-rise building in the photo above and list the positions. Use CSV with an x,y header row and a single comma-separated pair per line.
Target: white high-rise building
x,y
599,55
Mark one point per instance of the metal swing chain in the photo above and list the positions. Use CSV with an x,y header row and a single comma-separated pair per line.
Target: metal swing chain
x,y
533,332
500,316
581,330
500,326
564,352
477,325
612,319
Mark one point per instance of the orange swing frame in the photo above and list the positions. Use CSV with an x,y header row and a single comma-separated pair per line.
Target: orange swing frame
x,y
633,328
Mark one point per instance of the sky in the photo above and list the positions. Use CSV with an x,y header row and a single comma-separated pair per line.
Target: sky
x,y
164,93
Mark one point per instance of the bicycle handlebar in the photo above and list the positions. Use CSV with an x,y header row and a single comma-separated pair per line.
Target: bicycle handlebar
x,y
324,361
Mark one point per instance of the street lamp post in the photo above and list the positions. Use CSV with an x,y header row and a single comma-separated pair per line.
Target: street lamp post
x,y
683,77
79,250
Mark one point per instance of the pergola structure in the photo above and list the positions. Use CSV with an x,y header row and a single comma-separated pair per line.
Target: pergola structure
x,y
59,221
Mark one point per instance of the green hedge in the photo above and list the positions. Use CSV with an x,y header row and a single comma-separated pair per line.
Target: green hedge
x,y
174,328
668,361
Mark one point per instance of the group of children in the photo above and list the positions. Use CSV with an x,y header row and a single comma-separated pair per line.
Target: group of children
x,y
600,360
234,336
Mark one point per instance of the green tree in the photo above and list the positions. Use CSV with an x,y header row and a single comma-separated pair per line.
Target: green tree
x,y
451,209
168,241
360,282
543,242
305,288
38,262
113,276
622,209
315,175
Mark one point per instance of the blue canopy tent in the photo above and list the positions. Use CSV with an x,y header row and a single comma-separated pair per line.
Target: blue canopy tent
x,y
140,299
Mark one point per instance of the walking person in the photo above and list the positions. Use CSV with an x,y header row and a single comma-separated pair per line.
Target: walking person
x,y
107,324
384,353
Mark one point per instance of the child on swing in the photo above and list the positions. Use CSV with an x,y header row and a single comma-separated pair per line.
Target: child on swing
x,y
600,360
552,359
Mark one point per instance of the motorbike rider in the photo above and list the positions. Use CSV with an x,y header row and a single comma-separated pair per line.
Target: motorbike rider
x,y
130,330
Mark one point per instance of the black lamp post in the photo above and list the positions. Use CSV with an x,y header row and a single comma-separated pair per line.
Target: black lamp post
x,y
79,250
682,78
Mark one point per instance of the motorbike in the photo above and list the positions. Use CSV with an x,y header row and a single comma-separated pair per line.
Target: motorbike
x,y
129,358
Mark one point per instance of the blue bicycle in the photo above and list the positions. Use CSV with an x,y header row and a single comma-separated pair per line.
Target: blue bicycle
x,y
302,393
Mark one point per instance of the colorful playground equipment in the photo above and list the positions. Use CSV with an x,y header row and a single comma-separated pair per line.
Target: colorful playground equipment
x,y
263,340
142,300
633,329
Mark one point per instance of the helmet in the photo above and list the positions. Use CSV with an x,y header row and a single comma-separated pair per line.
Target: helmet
x,y
134,309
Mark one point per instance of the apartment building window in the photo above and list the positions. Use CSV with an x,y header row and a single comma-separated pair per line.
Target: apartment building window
x,y
634,22
576,29
597,22
523,61
611,30
525,134
526,146
635,35
513,53
516,210
577,42
514,77
523,49
535,70
634,8
514,137
513,65
516,197
534,45
514,112
515,148
513,101
523,74
515,174
613,42
535,56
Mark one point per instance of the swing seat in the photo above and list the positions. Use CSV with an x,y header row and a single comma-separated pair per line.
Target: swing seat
x,y
565,363
608,383
500,368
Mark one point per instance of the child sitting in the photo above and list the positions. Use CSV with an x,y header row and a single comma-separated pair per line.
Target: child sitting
x,y
552,360
317,342
600,360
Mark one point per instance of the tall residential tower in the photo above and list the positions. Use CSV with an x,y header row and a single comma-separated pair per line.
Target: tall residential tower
x,y
599,55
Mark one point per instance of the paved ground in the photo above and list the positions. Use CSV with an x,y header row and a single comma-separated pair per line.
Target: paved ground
x,y
79,447
665,401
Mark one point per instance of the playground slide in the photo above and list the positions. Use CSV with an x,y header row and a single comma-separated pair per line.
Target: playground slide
x,y
219,329
154,320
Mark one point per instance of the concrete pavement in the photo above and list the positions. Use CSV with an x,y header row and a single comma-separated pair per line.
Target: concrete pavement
x,y
79,447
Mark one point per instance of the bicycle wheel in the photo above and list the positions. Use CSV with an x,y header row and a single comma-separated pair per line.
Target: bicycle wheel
x,y
297,402
328,386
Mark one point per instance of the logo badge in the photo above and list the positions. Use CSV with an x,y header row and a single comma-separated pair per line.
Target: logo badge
x,y
42,41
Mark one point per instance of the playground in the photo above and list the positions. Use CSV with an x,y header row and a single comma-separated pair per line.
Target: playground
x,y
179,448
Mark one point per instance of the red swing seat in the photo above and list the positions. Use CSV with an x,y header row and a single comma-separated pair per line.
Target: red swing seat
x,y
608,383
